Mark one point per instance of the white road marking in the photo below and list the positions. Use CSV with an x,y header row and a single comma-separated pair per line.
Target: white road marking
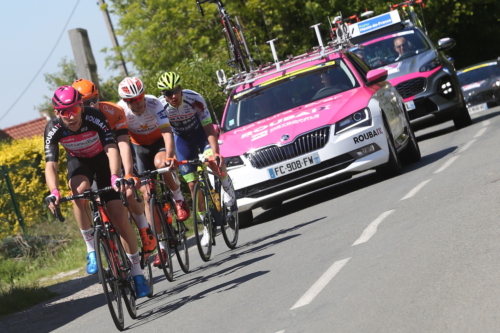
x,y
447,164
320,284
481,132
415,190
465,147
371,229
486,123
281,331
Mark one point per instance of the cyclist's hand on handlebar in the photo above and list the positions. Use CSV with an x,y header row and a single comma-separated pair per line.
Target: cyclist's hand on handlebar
x,y
134,179
119,184
171,162
53,199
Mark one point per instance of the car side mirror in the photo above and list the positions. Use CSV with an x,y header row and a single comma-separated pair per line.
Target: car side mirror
x,y
376,76
446,43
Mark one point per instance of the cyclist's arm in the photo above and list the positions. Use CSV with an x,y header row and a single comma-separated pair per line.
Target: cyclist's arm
x,y
168,137
51,175
114,158
212,137
126,154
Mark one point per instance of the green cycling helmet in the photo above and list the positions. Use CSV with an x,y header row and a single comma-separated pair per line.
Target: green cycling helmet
x,y
168,80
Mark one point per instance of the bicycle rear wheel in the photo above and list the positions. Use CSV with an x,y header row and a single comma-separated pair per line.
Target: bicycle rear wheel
x,y
162,236
108,270
231,227
200,206
124,283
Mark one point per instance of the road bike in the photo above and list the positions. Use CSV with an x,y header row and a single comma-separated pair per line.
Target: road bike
x,y
112,261
166,228
208,212
240,57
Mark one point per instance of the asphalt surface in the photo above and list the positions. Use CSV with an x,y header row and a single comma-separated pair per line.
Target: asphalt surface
x,y
416,253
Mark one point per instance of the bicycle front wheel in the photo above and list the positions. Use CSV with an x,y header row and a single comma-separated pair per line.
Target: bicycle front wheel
x,y
202,223
181,248
162,236
231,227
109,272
124,283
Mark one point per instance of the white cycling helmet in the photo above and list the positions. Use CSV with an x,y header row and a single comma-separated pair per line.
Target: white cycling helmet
x,y
130,87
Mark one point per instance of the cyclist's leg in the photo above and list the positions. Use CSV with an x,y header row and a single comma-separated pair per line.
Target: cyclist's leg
x,y
79,179
141,222
221,173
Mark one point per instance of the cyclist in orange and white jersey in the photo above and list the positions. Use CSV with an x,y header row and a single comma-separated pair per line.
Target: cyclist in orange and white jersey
x,y
118,125
152,140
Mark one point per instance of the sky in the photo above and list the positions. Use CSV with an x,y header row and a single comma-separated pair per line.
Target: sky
x,y
29,30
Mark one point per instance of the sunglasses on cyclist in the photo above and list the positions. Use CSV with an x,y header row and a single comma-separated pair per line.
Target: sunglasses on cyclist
x,y
134,100
171,92
72,111
92,101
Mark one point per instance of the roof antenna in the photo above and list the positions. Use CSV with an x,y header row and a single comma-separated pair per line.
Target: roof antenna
x,y
318,35
275,56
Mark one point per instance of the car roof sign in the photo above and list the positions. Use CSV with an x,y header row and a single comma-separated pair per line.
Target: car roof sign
x,y
374,23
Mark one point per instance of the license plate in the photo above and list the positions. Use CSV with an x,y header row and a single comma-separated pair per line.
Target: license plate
x,y
410,105
478,108
294,165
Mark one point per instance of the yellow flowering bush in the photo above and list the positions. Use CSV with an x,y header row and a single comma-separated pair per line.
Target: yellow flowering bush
x,y
25,162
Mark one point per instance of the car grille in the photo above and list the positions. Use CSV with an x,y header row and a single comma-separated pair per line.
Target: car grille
x,y
302,145
481,97
411,87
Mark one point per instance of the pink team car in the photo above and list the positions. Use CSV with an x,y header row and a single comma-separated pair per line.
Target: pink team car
x,y
308,121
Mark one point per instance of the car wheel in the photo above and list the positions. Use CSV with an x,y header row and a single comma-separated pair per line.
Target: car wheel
x,y
245,218
412,152
463,118
393,166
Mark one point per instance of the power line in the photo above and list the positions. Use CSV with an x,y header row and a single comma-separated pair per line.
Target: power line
x,y
44,63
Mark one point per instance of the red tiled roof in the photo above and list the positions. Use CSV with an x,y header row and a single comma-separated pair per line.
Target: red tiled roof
x,y
24,130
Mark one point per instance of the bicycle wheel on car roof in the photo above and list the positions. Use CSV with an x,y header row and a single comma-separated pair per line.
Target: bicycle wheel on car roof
x,y
108,271
202,222
161,236
236,46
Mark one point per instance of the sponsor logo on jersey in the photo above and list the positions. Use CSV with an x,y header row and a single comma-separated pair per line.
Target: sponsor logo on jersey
x,y
50,135
98,122
108,109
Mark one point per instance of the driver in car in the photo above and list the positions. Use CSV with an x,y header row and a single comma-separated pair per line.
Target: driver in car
x,y
402,46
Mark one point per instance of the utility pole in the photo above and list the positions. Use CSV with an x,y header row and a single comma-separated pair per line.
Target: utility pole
x,y
86,67
114,40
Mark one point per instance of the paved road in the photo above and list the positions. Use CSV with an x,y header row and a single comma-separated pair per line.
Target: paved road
x,y
416,253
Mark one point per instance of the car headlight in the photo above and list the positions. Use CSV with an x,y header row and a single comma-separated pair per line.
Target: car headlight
x,y
496,84
430,65
234,161
362,117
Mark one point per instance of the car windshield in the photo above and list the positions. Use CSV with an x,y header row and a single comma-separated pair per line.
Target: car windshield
x,y
479,73
287,92
382,51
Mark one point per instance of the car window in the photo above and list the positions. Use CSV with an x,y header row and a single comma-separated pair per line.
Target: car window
x,y
285,93
381,51
478,73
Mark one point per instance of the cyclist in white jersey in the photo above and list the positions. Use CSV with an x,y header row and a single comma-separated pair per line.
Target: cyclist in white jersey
x,y
191,124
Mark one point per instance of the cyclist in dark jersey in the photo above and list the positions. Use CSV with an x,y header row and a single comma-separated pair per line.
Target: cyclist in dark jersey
x,y
118,124
91,153
191,123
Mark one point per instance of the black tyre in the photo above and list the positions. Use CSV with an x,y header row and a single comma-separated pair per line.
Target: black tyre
x,y
463,118
181,249
157,213
200,204
148,274
236,46
231,227
109,272
411,154
124,283
393,167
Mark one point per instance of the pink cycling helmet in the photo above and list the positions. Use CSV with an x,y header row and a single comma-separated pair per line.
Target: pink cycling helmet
x,y
66,97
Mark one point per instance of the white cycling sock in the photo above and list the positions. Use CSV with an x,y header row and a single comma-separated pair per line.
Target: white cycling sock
x,y
135,260
178,194
141,221
88,237
226,182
